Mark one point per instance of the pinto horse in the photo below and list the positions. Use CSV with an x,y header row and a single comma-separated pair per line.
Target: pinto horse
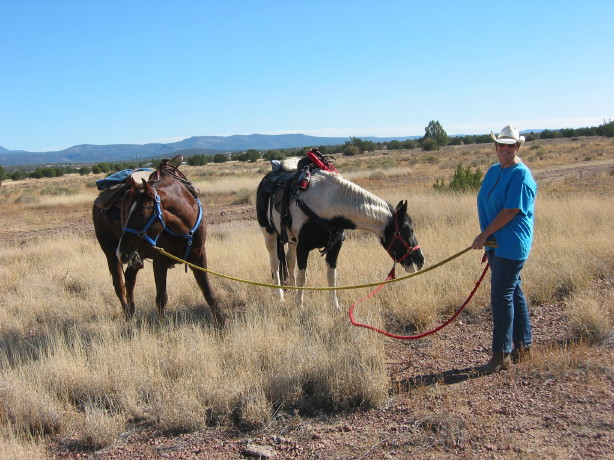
x,y
163,211
316,218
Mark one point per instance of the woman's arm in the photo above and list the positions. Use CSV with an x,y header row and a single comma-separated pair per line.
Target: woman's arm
x,y
503,218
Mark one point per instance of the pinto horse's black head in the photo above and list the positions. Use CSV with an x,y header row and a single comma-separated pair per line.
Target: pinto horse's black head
x,y
142,224
399,239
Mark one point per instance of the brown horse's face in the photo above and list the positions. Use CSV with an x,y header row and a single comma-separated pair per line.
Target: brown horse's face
x,y
142,225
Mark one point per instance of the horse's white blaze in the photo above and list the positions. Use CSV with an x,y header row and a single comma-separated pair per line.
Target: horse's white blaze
x,y
117,251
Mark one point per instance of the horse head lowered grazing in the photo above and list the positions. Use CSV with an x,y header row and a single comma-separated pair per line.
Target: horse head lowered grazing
x,y
163,211
316,218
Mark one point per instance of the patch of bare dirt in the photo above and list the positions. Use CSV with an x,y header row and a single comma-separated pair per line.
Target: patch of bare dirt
x,y
579,170
222,214
17,228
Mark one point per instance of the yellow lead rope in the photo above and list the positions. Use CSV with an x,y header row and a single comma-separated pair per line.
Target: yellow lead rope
x,y
307,288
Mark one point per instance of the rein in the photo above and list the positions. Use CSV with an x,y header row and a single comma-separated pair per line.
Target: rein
x,y
391,276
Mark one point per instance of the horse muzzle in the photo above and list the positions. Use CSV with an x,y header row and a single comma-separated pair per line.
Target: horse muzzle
x,y
133,259
414,262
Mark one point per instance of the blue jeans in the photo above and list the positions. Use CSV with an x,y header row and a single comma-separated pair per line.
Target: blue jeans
x,y
510,312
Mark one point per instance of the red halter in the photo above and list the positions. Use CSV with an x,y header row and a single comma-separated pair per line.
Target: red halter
x,y
397,236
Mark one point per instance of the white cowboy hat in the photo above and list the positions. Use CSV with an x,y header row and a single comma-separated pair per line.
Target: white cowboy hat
x,y
508,135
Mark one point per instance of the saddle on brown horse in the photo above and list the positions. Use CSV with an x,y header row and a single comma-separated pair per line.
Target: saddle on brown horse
x,y
114,187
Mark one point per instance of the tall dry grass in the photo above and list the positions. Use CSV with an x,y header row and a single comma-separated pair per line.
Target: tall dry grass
x,y
70,367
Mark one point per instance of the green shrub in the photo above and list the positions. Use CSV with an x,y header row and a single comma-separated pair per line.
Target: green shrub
x,y
429,144
351,150
463,180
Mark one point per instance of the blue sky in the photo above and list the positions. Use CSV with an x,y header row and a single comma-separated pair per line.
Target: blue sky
x,y
114,72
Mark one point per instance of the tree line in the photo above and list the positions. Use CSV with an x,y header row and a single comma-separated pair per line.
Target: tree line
x,y
434,138
58,171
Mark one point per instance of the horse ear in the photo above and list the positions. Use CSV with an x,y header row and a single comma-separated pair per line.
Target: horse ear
x,y
146,187
134,183
402,207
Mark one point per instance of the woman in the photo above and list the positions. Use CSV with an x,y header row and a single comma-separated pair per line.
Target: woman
x,y
506,210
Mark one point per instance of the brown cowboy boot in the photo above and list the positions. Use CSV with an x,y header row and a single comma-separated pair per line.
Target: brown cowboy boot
x,y
500,361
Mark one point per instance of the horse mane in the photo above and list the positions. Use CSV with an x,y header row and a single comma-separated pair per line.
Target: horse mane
x,y
357,197
168,169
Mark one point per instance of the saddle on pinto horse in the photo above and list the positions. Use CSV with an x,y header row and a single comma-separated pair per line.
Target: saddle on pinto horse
x,y
283,183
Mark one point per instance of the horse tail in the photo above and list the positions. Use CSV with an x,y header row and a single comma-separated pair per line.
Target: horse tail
x,y
283,262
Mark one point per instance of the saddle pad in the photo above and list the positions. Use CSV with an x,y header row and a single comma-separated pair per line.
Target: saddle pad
x,y
139,175
120,177
290,164
110,195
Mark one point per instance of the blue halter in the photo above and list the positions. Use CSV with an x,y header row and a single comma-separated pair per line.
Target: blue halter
x,y
157,216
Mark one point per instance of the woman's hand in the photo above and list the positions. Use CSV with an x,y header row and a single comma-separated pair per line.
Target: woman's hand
x,y
479,241
502,219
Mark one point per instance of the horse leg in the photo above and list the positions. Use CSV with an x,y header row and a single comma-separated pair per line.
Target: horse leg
x,y
291,264
117,274
160,272
130,282
302,254
270,241
331,273
202,279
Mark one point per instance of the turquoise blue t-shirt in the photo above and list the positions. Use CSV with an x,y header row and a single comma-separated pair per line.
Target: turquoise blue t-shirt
x,y
509,188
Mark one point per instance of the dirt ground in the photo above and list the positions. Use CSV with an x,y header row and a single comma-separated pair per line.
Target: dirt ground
x,y
438,406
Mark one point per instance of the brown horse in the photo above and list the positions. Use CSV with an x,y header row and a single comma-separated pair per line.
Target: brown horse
x,y
163,211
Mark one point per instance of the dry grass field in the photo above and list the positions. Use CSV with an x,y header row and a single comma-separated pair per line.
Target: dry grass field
x,y
76,381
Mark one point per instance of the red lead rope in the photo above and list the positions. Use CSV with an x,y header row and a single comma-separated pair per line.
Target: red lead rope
x,y
424,334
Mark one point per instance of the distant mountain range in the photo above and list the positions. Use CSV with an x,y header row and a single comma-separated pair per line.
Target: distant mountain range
x,y
86,153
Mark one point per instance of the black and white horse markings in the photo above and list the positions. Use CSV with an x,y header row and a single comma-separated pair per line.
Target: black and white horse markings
x,y
333,205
